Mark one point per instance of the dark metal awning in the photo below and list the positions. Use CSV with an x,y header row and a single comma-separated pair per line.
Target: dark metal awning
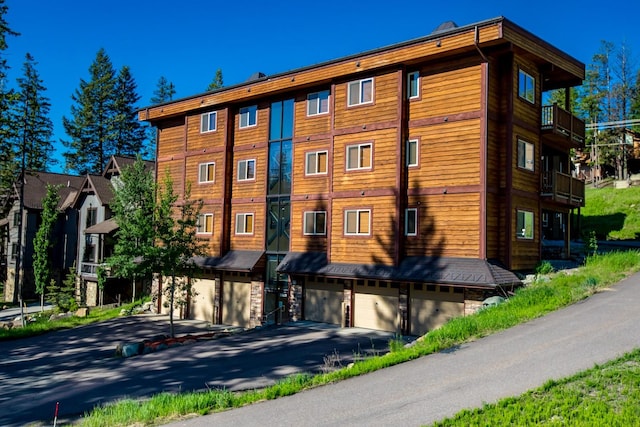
x,y
231,261
104,227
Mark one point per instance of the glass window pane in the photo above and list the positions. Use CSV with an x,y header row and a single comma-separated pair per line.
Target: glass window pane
x,y
363,225
287,119
253,115
209,224
242,169
276,121
352,222
367,90
312,104
412,153
354,93
352,157
239,223
311,163
324,102
249,224
244,117
411,222
322,162
308,223
210,171
321,223
203,123
251,169
365,156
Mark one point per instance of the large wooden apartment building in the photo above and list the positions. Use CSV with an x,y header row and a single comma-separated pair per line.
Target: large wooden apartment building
x,y
392,189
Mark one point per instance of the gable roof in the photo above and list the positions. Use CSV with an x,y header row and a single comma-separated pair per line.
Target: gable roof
x,y
35,188
117,163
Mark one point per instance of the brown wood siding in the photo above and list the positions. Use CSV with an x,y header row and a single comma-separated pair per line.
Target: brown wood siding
x,y
525,253
250,188
384,106
299,241
205,191
170,137
449,155
383,171
311,125
197,141
211,243
378,247
175,168
495,221
248,242
448,225
254,134
309,184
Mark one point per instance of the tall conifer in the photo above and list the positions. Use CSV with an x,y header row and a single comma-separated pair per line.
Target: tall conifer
x,y
129,134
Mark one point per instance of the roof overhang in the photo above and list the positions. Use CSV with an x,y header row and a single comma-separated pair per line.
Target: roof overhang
x,y
104,227
231,261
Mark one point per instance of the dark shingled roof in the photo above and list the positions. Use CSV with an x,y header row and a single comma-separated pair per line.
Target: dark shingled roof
x,y
104,227
103,188
232,261
36,188
447,270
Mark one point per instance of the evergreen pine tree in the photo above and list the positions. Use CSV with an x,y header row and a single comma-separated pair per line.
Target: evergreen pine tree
x,y
129,134
35,131
43,241
217,81
163,93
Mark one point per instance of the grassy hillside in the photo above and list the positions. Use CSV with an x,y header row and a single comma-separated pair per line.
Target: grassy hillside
x,y
614,214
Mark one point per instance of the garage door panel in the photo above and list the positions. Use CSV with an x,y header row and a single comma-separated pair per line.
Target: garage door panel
x,y
236,303
374,311
323,303
429,314
202,303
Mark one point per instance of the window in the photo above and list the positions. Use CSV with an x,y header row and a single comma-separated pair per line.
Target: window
x,y
92,217
315,223
360,92
412,152
357,222
16,218
318,103
248,116
205,224
524,225
207,172
244,223
316,163
525,155
526,87
413,85
246,170
359,156
411,222
14,251
208,122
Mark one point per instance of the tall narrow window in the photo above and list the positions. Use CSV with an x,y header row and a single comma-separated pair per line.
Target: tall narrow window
x,y
92,217
208,122
244,223
246,170
359,156
315,223
524,225
526,87
205,224
413,85
206,172
526,158
357,222
248,116
411,222
318,103
412,152
316,163
360,92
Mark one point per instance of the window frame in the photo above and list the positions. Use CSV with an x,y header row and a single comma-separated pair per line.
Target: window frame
x,y
523,148
359,147
358,212
524,91
414,211
319,98
205,230
242,216
251,110
417,84
208,122
359,84
206,175
411,141
314,215
521,232
317,163
246,168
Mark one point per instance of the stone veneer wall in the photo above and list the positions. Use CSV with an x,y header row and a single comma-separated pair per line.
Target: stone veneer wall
x,y
256,304
295,302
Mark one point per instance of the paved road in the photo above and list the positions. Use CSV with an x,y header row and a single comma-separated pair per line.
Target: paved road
x,y
598,329
77,367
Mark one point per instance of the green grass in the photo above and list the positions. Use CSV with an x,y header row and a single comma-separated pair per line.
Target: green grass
x,y
614,214
534,301
607,395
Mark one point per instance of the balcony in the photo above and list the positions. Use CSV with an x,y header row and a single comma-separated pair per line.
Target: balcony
x,y
562,188
562,127
90,269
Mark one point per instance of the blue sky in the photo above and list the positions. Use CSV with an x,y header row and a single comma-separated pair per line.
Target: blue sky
x,y
186,41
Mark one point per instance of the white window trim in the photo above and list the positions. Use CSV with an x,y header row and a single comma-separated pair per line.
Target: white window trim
x,y
247,111
521,234
318,112
359,148
314,215
417,142
406,222
306,165
205,119
357,211
243,217
360,92
529,163
417,95
206,168
202,227
246,169
523,94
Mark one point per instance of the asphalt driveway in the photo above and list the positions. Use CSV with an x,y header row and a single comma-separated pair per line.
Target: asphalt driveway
x,y
78,368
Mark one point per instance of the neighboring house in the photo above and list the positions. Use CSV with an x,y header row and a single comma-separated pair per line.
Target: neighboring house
x,y
96,229
392,189
64,232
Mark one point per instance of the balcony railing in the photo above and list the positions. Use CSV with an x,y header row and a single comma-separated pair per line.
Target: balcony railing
x,y
563,188
562,123
90,269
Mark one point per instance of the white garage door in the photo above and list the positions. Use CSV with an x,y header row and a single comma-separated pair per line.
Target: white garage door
x,y
431,306
323,302
202,303
376,306
236,302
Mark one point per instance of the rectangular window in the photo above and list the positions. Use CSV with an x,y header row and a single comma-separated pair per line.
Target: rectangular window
x,y
413,85
207,172
14,251
205,224
359,156
357,222
316,163
16,218
524,225
525,155
526,87
208,122
248,116
315,223
360,92
411,222
92,217
318,103
244,223
412,152
246,170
